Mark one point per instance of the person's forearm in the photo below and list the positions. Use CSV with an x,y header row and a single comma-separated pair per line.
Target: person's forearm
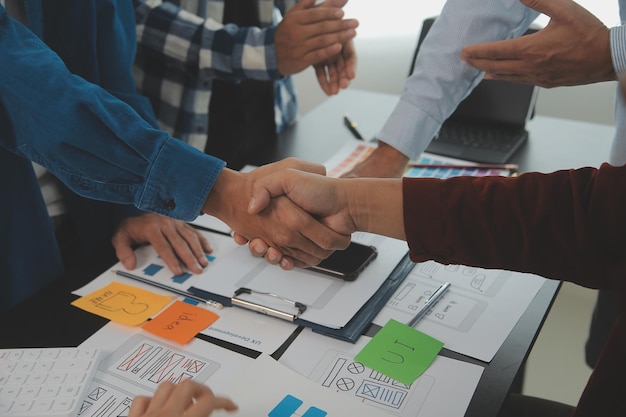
x,y
376,205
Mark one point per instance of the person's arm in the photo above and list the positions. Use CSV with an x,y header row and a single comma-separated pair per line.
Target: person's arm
x,y
102,149
441,80
575,48
306,35
566,225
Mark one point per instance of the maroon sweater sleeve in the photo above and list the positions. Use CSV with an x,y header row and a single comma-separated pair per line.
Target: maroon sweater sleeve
x,y
567,225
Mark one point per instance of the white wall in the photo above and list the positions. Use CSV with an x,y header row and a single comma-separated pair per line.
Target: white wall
x,y
386,40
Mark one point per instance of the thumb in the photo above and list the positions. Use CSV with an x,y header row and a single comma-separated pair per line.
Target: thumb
x,y
263,190
546,7
122,243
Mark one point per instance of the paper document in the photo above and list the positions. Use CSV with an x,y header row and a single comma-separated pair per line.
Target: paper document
x,y
329,301
241,327
475,315
445,389
136,362
267,388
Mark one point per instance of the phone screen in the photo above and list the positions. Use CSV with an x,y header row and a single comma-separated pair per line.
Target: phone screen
x,y
347,263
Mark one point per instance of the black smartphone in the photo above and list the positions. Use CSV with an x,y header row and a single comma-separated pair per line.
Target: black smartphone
x,y
347,264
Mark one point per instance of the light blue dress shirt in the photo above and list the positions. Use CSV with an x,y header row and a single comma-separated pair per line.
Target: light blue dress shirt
x,y
441,79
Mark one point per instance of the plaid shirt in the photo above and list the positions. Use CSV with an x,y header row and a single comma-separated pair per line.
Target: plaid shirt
x,y
182,46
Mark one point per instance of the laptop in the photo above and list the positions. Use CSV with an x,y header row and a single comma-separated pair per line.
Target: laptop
x,y
489,126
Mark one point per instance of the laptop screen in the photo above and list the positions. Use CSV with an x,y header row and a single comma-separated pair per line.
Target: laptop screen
x,y
497,102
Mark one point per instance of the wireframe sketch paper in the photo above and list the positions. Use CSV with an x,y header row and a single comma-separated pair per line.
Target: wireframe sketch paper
x,y
136,362
330,364
475,316
288,394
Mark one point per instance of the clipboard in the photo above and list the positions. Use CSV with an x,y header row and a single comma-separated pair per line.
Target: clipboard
x,y
293,309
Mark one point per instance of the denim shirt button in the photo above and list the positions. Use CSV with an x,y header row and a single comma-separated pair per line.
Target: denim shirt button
x,y
85,186
170,204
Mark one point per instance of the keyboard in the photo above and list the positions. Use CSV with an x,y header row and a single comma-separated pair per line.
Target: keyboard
x,y
45,382
492,137
478,143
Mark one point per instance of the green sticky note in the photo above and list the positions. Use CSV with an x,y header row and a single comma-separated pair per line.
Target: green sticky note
x,y
400,352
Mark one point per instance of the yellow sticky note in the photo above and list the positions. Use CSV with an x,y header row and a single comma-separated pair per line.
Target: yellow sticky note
x,y
180,322
123,303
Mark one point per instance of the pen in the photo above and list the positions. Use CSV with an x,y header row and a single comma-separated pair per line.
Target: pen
x,y
352,127
186,294
512,167
430,303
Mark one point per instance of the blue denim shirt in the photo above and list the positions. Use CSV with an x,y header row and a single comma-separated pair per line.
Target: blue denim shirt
x,y
100,146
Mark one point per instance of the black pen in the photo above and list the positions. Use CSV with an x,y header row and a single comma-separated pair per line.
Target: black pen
x,y
185,294
352,127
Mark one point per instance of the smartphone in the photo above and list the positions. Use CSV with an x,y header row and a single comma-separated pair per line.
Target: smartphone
x,y
347,264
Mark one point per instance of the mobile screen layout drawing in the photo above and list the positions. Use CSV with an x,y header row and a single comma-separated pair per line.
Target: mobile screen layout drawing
x,y
348,263
140,362
340,372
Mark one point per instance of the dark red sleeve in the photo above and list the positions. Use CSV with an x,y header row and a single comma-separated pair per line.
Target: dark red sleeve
x,y
567,225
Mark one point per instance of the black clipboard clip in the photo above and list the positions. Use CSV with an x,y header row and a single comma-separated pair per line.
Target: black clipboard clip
x,y
268,310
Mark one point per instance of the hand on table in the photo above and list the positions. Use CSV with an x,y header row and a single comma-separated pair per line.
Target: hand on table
x,y
573,49
186,399
173,240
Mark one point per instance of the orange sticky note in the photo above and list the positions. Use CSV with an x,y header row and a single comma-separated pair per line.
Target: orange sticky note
x,y
123,303
180,322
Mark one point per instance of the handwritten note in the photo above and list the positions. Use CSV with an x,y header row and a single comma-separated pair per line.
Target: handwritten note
x,y
123,303
180,322
400,352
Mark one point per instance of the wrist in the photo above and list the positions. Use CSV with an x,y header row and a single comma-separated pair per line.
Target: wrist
x,y
219,201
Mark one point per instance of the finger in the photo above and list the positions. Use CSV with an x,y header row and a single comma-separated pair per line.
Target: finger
x,y
258,247
206,405
300,165
333,3
139,406
122,243
165,250
494,51
161,395
322,79
197,243
333,77
288,264
240,239
549,8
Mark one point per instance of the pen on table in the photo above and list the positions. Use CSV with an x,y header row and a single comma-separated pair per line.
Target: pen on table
x,y
352,127
183,293
430,303
511,167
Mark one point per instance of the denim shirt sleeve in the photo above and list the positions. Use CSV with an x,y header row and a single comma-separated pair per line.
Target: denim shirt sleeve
x,y
93,142
205,46
441,80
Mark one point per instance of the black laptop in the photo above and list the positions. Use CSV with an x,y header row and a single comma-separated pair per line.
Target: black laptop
x,y
490,124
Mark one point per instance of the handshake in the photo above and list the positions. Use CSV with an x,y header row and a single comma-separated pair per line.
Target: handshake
x,y
293,215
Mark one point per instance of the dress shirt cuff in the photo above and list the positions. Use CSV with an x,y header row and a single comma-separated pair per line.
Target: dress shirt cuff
x,y
179,182
409,130
423,224
618,48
